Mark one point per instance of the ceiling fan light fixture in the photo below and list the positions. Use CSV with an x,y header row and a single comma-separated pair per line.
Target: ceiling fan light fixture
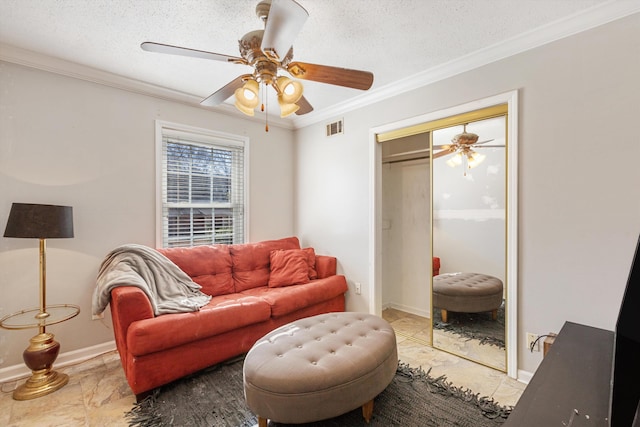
x,y
465,138
247,95
287,109
246,110
290,90
474,159
456,160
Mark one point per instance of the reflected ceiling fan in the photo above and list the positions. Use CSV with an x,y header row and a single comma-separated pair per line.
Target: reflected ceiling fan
x,y
270,51
461,147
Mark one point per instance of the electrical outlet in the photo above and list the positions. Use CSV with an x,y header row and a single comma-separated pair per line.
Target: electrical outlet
x,y
358,288
97,316
531,339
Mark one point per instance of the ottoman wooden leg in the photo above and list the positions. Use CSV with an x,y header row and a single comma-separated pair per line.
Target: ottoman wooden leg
x,y
262,422
367,411
494,314
445,317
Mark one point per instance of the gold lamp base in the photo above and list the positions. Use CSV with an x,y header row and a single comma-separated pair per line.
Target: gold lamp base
x,y
39,357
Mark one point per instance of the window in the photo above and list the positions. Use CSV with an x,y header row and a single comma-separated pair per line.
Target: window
x,y
201,186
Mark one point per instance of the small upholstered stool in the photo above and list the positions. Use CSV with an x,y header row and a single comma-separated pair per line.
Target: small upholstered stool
x,y
320,367
467,293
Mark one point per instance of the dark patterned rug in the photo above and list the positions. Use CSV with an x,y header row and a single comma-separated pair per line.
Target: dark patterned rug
x,y
214,397
477,326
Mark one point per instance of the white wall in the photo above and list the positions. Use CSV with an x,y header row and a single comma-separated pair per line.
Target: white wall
x,y
469,220
70,142
406,243
579,203
67,141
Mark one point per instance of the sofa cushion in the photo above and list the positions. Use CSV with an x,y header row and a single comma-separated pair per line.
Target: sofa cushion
x,y
250,261
208,266
223,313
288,299
288,267
311,261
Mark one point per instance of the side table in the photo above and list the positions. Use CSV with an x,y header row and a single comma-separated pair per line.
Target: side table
x,y
43,349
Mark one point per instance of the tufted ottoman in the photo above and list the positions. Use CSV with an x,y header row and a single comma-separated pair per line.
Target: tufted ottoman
x,y
467,293
320,367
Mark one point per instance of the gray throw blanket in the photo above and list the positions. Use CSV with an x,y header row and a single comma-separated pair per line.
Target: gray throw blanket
x,y
169,289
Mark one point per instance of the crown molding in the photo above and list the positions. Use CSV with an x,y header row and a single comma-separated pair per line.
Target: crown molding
x,y
583,21
27,58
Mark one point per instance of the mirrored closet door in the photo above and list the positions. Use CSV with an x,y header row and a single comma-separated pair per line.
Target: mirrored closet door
x,y
468,235
445,231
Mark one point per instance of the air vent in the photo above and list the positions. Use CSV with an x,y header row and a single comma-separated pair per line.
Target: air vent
x,y
335,128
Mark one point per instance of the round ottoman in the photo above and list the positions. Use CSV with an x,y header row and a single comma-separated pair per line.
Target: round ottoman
x,y
320,367
467,293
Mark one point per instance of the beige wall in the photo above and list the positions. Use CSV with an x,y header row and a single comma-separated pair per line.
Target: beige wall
x,y
579,203
71,142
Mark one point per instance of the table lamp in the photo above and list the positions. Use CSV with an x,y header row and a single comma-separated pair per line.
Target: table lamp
x,y
40,222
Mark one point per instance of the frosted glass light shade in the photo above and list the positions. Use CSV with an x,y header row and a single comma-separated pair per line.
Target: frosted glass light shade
x,y
290,90
454,161
246,110
475,159
287,109
247,97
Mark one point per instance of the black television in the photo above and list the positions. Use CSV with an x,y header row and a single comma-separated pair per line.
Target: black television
x,y
624,408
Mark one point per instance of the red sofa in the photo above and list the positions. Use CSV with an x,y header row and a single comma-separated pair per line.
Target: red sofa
x,y
255,288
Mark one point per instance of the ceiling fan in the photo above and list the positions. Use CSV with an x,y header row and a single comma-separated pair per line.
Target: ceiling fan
x,y
461,145
269,51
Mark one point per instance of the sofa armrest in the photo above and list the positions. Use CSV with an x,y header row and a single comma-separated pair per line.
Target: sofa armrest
x,y
436,266
326,266
128,304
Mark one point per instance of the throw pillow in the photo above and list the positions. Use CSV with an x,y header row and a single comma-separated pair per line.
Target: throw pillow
x,y
288,267
311,260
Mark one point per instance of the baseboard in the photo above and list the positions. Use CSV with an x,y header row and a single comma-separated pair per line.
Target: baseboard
x,y
408,309
524,376
15,372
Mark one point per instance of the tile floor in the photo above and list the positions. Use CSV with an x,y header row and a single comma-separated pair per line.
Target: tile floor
x,y
98,395
413,339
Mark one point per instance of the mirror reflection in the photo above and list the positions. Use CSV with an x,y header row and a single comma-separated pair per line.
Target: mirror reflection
x,y
444,234
469,237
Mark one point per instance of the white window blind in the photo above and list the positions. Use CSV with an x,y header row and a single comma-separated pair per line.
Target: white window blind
x,y
202,189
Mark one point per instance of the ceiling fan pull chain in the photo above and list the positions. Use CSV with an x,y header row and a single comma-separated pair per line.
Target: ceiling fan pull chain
x,y
266,110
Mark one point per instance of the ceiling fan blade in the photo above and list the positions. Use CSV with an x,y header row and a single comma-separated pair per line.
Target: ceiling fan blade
x,y
304,105
483,142
355,79
223,93
183,51
284,22
442,153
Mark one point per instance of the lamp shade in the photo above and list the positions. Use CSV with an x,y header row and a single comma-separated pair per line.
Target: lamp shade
x,y
28,220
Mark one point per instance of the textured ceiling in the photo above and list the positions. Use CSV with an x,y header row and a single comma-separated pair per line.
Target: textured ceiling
x,y
394,39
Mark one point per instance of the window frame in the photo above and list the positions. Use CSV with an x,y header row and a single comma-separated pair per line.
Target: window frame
x,y
196,136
